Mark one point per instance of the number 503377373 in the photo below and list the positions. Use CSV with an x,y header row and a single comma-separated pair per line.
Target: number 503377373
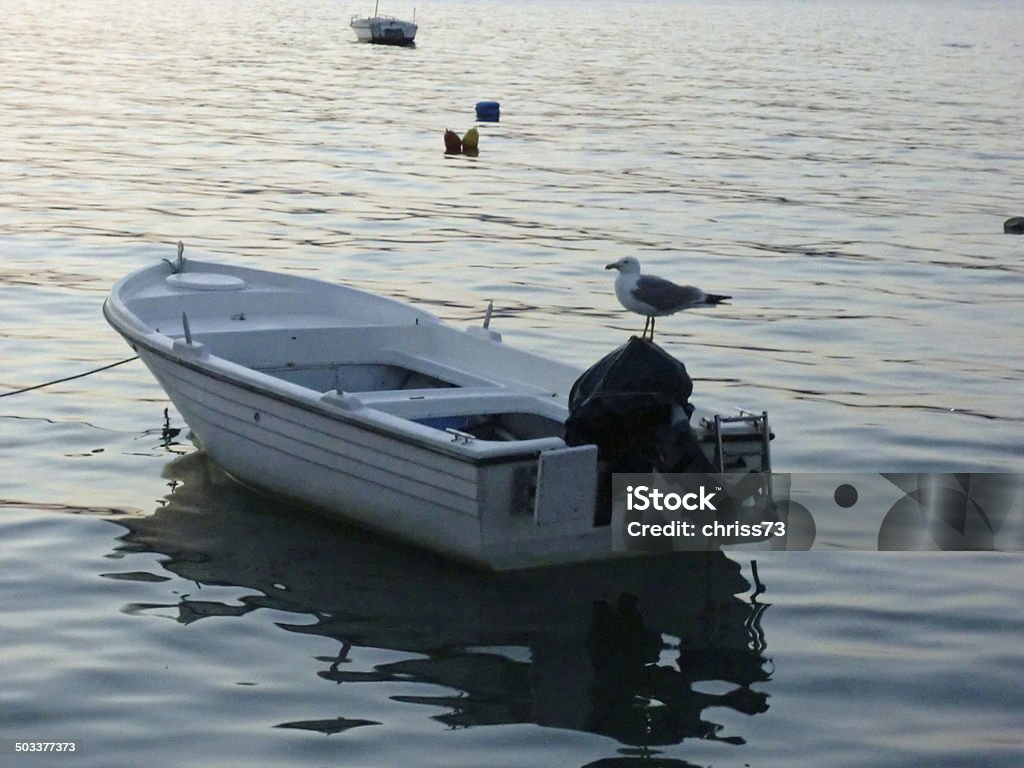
x,y
45,746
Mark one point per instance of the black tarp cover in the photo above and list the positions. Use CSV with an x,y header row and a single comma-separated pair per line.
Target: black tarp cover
x,y
634,404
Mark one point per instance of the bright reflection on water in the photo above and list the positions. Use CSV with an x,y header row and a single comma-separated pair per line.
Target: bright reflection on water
x,y
842,169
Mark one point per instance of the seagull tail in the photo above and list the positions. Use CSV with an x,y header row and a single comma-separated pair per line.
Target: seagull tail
x,y
715,298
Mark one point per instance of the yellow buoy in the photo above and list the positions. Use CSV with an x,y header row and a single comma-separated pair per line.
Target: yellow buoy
x,y
471,141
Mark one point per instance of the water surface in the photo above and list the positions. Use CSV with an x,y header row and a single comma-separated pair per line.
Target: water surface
x,y
842,169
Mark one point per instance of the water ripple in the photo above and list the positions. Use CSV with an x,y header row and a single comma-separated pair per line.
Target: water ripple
x,y
843,171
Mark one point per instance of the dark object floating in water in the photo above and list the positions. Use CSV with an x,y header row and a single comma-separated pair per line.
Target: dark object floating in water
x,y
337,725
452,143
143,576
467,145
488,111
1014,225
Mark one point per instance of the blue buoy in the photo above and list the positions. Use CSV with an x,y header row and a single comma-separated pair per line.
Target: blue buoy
x,y
488,111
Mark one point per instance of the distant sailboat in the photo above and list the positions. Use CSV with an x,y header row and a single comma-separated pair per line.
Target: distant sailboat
x,y
385,30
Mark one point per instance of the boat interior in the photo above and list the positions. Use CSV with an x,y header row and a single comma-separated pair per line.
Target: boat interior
x,y
407,371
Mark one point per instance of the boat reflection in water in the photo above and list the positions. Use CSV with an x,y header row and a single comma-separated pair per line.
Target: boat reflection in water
x,y
613,648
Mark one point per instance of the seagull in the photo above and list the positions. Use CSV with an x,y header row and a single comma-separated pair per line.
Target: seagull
x,y
653,297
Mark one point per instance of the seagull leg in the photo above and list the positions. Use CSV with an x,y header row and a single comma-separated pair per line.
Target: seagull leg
x,y
643,334
652,329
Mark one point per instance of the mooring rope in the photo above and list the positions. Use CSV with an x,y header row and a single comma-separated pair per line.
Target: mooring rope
x,y
69,378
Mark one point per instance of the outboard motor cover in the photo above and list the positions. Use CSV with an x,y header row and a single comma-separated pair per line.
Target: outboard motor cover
x,y
634,404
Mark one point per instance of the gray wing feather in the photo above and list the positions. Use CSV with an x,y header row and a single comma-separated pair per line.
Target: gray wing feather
x,y
664,295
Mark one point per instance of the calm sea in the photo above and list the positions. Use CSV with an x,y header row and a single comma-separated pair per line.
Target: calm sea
x,y
841,168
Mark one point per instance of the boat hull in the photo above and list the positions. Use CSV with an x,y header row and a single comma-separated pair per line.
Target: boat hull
x,y
473,512
384,30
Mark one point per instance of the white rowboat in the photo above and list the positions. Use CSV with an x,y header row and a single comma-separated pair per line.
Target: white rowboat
x,y
377,412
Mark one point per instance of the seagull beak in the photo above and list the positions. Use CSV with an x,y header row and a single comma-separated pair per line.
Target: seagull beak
x,y
613,266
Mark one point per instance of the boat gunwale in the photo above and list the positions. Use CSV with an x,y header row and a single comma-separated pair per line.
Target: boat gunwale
x,y
276,389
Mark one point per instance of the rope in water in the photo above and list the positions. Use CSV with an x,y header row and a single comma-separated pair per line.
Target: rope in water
x,y
69,378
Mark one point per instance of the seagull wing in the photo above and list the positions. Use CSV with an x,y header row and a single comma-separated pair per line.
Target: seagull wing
x,y
664,295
